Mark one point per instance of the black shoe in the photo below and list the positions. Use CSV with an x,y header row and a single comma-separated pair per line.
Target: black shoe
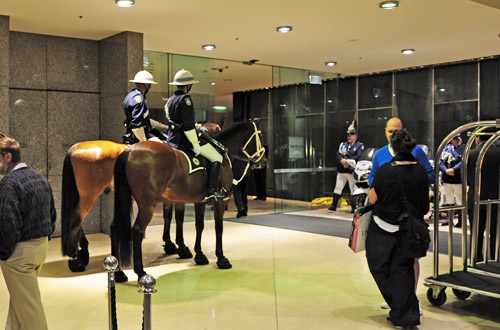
x,y
332,208
241,213
458,225
444,223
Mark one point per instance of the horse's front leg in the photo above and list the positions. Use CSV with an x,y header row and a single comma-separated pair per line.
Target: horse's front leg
x,y
199,214
183,251
222,262
143,218
169,247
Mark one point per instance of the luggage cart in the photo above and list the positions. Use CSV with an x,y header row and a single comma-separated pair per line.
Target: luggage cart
x,y
474,277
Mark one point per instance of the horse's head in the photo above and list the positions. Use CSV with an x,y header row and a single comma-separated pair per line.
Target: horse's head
x,y
253,148
244,141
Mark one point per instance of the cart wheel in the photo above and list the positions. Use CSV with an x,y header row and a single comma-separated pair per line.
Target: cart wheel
x,y
461,294
441,298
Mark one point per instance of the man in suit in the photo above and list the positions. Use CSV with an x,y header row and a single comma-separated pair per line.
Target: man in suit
x,y
489,190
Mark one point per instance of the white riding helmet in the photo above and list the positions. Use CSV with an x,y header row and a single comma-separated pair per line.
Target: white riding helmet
x,y
183,77
143,77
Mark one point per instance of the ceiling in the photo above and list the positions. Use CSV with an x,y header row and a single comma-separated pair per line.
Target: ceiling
x,y
356,34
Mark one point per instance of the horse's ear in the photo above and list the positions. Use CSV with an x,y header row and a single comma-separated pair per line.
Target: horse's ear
x,y
256,121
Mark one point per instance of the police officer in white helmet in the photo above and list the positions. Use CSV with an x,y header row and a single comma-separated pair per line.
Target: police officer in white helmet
x,y
180,111
136,109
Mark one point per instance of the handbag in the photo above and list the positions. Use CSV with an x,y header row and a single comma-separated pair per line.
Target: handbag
x,y
359,228
414,234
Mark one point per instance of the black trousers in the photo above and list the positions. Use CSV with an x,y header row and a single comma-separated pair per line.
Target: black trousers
x,y
482,227
259,175
240,195
393,274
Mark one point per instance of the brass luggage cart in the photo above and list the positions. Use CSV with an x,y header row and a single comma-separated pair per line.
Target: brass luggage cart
x,y
472,276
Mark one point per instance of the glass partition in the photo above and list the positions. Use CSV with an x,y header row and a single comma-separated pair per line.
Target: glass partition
x,y
304,115
414,104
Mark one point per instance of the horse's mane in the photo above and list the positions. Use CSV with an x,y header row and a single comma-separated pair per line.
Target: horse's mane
x,y
231,130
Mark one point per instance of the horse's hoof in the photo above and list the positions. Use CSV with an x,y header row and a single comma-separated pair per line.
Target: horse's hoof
x,y
141,274
200,259
223,263
120,276
76,266
184,253
83,255
170,248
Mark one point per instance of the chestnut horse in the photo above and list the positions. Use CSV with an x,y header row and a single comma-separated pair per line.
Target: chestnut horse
x,y
150,171
87,173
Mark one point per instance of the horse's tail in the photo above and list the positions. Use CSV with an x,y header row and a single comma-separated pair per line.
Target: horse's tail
x,y
121,228
70,219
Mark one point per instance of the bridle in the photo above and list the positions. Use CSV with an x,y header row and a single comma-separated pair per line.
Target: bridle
x,y
259,149
251,158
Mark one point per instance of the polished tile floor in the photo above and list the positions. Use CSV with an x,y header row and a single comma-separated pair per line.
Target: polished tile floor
x,y
281,279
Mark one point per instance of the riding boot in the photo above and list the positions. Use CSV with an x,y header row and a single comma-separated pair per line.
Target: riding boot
x,y
334,202
213,182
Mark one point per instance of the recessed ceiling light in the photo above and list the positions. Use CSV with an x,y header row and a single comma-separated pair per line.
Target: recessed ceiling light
x,y
330,63
284,29
208,47
388,4
407,51
212,83
125,3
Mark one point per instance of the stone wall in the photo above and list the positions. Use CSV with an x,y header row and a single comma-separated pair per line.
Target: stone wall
x,y
56,91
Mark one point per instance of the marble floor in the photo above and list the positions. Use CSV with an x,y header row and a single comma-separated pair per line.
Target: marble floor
x,y
281,279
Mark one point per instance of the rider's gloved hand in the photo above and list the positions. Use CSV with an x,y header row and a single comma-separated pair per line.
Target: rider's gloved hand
x,y
200,128
193,138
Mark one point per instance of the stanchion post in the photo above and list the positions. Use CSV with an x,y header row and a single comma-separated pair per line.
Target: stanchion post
x,y
111,265
147,284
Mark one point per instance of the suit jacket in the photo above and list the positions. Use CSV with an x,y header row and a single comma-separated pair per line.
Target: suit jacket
x,y
489,173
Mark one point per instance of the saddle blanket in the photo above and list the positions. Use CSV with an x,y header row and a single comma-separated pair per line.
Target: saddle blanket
x,y
196,163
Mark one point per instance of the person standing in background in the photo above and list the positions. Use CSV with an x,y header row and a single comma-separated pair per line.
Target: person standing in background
x,y
451,162
27,219
348,154
489,190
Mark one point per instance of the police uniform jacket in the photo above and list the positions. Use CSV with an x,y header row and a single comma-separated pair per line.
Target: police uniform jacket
x,y
137,115
452,158
181,112
349,151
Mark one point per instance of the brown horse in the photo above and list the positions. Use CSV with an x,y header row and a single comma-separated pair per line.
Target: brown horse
x,y
150,172
87,173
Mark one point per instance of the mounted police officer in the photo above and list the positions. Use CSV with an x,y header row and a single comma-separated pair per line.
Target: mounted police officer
x,y
136,109
349,152
180,111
